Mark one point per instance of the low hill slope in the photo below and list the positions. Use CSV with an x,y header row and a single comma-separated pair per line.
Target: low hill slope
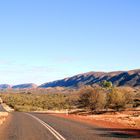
x,y
4,86
23,86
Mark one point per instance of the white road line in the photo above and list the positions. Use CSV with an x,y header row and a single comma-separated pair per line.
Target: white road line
x,y
54,132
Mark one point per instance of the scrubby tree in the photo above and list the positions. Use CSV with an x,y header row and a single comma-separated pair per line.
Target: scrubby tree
x,y
106,84
137,95
97,100
85,94
119,99
93,99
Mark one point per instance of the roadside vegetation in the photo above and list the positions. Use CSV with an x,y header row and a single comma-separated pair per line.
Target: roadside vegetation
x,y
99,99
92,99
34,102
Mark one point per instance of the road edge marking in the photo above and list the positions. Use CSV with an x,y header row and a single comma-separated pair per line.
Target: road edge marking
x,y
52,130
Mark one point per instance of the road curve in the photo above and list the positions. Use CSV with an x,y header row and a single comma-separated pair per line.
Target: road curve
x,y
37,126
20,126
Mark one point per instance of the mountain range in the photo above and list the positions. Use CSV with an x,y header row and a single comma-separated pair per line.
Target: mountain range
x,y
118,78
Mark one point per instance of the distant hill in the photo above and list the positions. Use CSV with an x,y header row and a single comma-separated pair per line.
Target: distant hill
x,y
4,86
23,86
118,78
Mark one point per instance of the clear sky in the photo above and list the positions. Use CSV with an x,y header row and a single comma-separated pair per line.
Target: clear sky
x,y
46,40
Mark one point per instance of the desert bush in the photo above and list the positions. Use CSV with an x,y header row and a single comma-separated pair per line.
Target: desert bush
x,y
137,95
97,100
137,100
116,100
119,99
93,99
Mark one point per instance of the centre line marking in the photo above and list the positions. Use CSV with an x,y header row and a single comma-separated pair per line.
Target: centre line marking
x,y
52,130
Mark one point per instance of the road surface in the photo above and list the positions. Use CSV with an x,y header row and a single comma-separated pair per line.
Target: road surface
x,y
37,126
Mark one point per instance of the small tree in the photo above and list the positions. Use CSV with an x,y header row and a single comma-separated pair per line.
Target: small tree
x,y
97,100
117,99
85,94
106,84
93,99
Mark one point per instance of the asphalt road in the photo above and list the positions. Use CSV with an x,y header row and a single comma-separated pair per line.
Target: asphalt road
x,y
37,126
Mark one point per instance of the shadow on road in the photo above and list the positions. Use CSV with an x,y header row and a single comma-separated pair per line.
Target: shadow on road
x,y
119,133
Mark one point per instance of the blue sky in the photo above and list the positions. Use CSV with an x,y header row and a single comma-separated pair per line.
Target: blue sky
x,y
46,40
